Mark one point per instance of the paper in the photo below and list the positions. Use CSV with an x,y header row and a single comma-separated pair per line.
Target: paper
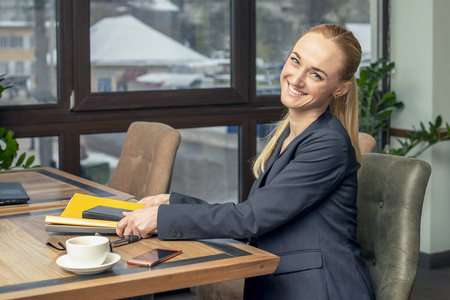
x,y
79,221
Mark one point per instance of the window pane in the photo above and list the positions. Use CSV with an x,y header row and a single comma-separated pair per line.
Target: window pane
x,y
99,154
44,149
30,66
206,164
144,45
278,27
263,134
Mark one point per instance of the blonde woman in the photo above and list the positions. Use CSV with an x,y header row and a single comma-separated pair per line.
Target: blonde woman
x,y
302,205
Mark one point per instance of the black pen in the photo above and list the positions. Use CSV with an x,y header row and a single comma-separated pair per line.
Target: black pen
x,y
127,239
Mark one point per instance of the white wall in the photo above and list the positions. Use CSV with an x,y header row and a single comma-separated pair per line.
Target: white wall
x,y
420,43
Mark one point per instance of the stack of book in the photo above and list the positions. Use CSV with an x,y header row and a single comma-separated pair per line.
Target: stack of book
x,y
90,214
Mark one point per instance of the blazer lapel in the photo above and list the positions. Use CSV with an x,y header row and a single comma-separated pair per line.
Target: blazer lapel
x,y
276,163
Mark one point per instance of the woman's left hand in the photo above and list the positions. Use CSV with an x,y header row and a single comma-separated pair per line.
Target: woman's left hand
x,y
139,222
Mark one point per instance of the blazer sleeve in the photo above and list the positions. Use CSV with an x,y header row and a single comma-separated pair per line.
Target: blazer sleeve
x,y
318,166
177,198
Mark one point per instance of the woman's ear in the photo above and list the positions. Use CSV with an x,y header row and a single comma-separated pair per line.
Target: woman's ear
x,y
343,88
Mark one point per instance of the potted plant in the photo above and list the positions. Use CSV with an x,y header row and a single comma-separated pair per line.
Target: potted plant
x,y
376,107
422,137
8,144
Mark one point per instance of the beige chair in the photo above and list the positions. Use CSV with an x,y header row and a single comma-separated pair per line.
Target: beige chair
x,y
366,142
391,190
146,163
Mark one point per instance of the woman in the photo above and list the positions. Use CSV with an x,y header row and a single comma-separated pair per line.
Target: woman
x,y
302,205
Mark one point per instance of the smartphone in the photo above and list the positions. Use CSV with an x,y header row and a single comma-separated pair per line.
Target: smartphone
x,y
153,257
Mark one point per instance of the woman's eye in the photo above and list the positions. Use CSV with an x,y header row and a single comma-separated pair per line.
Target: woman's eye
x,y
316,76
294,60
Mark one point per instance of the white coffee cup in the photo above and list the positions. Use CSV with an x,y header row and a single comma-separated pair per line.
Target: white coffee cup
x,y
87,251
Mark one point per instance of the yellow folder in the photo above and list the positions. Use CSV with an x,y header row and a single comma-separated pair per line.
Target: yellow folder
x,y
72,214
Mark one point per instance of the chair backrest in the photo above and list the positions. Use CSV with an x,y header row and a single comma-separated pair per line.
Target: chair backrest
x,y
391,190
146,163
366,142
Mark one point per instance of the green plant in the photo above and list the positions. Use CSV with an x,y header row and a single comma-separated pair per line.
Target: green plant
x,y
2,88
375,107
9,146
426,137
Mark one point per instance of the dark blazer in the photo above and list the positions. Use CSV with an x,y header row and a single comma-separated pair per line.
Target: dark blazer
x,y
302,208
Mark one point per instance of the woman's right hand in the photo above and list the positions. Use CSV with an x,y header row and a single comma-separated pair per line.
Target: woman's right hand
x,y
155,200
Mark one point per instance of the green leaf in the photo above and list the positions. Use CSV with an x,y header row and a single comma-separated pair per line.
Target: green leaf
x,y
385,114
438,121
21,159
30,161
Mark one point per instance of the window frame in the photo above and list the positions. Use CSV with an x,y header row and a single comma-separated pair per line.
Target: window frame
x,y
245,109
85,100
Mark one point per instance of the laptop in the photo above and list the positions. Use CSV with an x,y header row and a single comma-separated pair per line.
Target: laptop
x,y
12,193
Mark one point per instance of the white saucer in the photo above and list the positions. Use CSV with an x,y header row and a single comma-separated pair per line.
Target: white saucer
x,y
66,263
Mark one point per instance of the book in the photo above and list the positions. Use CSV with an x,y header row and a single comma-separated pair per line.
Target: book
x,y
80,203
107,213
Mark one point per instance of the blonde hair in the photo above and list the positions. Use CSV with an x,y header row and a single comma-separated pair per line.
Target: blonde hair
x,y
345,107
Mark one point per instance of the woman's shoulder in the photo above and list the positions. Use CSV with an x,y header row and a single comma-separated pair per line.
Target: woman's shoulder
x,y
332,131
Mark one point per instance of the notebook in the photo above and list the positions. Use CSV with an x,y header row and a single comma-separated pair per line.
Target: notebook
x,y
107,213
12,193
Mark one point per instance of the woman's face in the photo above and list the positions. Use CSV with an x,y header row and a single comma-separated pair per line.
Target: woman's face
x,y
310,77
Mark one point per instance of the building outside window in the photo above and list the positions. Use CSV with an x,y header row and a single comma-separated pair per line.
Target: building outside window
x,y
16,42
158,45
4,42
21,22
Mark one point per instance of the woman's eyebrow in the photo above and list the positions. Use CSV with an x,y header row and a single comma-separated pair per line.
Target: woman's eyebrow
x,y
314,68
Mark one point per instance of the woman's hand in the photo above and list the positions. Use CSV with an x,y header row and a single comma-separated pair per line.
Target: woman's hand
x,y
139,222
155,200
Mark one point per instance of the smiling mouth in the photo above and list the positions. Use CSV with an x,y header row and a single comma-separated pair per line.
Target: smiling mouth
x,y
294,91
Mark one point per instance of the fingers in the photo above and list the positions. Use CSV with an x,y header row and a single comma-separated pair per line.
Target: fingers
x,y
139,222
121,226
155,200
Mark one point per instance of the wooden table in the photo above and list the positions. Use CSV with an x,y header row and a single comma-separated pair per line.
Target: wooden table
x,y
52,188
29,270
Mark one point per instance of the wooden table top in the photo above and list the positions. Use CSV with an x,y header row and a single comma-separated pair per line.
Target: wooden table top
x,y
29,269
52,188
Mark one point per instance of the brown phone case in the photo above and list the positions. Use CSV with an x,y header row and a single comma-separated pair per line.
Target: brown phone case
x,y
154,256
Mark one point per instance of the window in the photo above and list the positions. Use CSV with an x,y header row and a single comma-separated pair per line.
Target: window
x,y
206,164
228,95
21,21
4,67
168,53
16,42
20,69
4,42
45,150
263,135
157,45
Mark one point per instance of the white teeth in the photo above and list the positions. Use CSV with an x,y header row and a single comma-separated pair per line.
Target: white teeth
x,y
295,91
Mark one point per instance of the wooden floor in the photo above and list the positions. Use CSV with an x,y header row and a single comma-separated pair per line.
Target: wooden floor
x,y
432,284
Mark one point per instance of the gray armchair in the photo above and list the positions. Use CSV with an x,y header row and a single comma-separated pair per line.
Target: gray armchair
x,y
391,190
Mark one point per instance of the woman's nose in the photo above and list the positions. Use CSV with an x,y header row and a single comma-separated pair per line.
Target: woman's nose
x,y
298,78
